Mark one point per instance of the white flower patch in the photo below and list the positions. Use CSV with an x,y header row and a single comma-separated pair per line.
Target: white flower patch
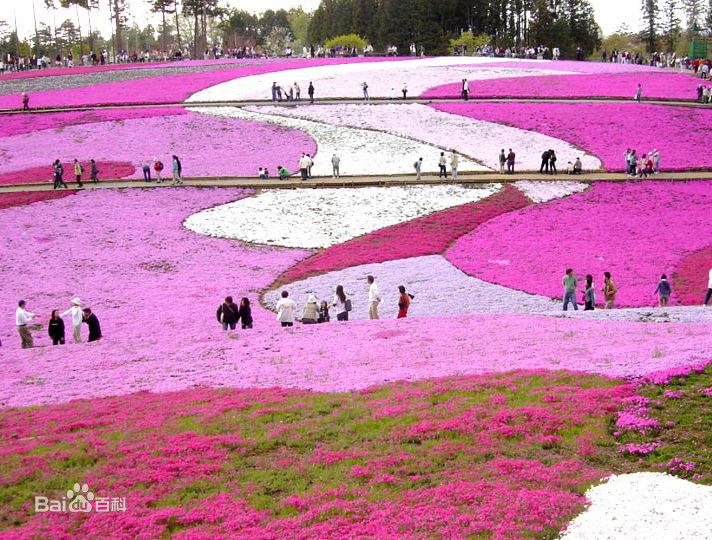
x,y
439,289
362,152
319,218
645,506
477,139
384,78
540,192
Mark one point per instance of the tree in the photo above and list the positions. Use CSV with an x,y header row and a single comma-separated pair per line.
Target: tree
x,y
349,40
670,25
469,40
693,12
164,7
708,18
650,15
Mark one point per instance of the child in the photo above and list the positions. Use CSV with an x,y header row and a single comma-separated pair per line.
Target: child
x,y
663,290
245,313
323,312
589,296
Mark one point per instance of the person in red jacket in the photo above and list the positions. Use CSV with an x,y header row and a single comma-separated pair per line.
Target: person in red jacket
x,y
403,302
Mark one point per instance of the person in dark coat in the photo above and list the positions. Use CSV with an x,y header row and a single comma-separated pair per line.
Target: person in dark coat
x,y
55,328
245,313
93,322
544,169
228,313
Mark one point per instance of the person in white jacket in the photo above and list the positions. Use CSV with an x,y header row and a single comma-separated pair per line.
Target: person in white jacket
x,y
286,309
76,312
454,162
709,288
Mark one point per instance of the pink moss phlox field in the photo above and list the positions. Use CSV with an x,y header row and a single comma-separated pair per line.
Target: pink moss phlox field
x,y
656,84
692,276
636,231
607,129
18,124
164,89
195,463
663,377
429,235
23,198
575,66
107,169
207,145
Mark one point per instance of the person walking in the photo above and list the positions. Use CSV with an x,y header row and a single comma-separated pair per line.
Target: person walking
x,y
158,167
589,296
93,322
638,93
310,311
510,161
454,162
626,156
374,298
663,291
22,319
304,166
502,161
709,289
335,161
656,161
544,168
78,169
310,91
146,172
25,102
310,164
364,87
569,283
177,170
228,313
609,290
405,90
76,314
55,328
245,314
404,299
342,304
465,90
58,172
442,163
552,161
297,92
418,167
285,310
93,171
274,91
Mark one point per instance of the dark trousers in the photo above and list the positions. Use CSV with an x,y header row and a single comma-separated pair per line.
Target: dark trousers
x,y
708,296
287,324
464,95
342,316
443,171
58,340
304,174
58,181
78,178
588,306
552,167
147,175
544,167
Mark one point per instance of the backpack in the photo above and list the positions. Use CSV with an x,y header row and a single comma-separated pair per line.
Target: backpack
x,y
347,304
159,166
415,165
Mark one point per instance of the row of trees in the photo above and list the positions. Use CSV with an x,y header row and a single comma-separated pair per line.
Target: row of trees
x,y
567,24
664,20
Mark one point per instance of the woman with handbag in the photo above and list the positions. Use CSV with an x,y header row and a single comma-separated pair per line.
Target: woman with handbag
x,y
342,304
403,302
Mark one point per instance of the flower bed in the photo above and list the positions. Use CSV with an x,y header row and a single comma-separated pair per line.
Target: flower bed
x,y
438,286
23,198
317,218
429,235
605,130
654,84
473,138
166,89
107,169
362,152
692,276
207,146
266,464
627,230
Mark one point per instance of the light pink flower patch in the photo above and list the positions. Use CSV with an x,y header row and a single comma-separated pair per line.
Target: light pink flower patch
x,y
607,129
635,231
207,145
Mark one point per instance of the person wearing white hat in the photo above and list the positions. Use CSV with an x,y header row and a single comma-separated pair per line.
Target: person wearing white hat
x,y
76,312
310,311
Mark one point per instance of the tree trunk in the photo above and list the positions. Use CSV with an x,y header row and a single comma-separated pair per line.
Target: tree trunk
x,y
175,6
81,41
163,31
196,33
91,37
117,14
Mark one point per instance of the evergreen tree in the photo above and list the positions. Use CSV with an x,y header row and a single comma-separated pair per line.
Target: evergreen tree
x,y
670,25
650,15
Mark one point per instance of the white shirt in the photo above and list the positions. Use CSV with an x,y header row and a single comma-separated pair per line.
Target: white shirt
x,y
304,162
709,283
373,294
76,313
22,317
285,310
454,160
335,160
338,304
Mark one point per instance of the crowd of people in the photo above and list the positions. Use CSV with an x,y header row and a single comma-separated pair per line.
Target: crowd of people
x,y
55,325
642,166
78,169
291,92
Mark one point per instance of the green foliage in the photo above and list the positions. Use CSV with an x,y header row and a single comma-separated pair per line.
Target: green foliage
x,y
469,40
349,40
